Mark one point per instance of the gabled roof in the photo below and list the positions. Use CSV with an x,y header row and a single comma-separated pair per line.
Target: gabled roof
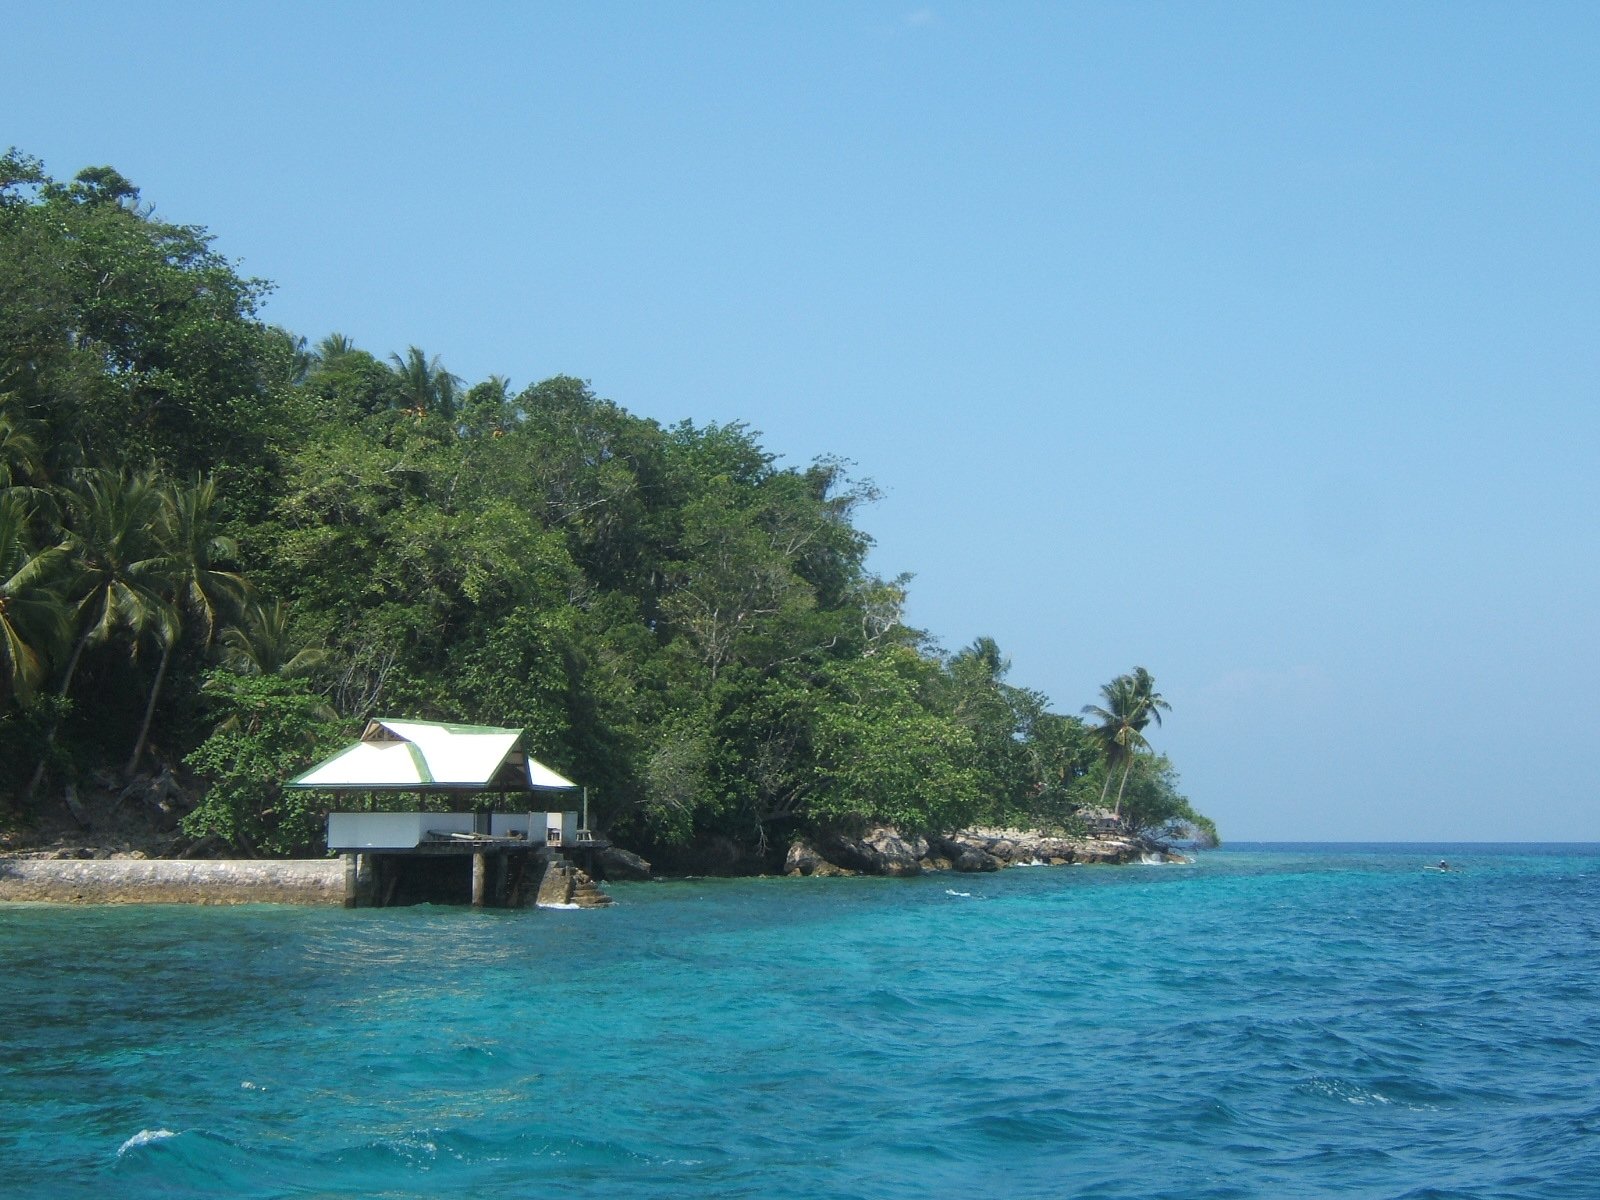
x,y
431,756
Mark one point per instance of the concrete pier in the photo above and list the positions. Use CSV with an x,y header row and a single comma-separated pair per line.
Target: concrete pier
x,y
173,881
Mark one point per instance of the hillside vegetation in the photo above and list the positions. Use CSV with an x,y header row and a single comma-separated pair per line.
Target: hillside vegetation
x,y
225,549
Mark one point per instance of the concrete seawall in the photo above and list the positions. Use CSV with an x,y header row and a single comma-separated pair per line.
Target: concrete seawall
x,y
172,881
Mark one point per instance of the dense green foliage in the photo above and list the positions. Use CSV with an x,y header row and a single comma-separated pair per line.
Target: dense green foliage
x,y
224,550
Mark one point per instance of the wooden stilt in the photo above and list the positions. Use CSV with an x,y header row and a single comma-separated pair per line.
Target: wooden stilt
x,y
479,870
351,874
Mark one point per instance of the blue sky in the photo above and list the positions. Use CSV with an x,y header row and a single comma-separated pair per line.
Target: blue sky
x,y
1252,343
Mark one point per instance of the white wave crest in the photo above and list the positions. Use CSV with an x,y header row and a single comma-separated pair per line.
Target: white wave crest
x,y
143,1138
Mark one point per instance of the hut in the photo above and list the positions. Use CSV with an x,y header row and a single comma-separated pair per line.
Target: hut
x,y
1102,822
399,857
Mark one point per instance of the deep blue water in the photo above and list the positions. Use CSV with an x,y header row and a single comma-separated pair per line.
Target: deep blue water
x,y
1276,1021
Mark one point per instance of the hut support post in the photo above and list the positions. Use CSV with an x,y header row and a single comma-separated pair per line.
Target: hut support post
x,y
479,871
351,876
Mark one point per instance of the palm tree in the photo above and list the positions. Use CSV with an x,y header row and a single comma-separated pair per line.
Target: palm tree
x,y
425,385
1149,704
33,615
114,569
19,448
298,359
984,654
263,644
22,465
1131,703
192,545
487,408
1115,726
335,345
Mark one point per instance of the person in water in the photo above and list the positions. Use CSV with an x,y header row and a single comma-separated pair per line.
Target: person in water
x,y
1443,866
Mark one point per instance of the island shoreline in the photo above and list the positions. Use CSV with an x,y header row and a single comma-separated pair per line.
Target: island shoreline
x,y
80,876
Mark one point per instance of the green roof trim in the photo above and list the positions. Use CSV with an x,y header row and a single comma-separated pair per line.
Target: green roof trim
x,y
327,762
437,756
423,774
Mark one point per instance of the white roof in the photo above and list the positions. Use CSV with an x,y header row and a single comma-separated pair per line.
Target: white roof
x,y
431,756
541,776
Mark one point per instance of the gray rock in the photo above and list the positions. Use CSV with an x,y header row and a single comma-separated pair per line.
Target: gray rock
x,y
972,860
802,858
881,850
616,863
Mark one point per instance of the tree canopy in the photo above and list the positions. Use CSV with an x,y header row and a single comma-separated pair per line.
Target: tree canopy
x,y
223,548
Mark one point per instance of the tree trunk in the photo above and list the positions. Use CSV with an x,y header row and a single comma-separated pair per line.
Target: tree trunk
x,y
149,711
1126,767
55,726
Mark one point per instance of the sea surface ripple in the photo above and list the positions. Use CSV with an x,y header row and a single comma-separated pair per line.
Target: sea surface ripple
x,y
1274,1021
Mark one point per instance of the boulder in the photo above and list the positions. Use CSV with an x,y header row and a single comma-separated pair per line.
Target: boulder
x,y
1108,850
616,863
803,859
970,852
881,850
828,870
971,860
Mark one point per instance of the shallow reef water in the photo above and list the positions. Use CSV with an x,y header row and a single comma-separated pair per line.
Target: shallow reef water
x,y
1273,1021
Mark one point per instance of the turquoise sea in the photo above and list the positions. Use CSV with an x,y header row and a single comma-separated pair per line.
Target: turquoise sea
x,y
1274,1021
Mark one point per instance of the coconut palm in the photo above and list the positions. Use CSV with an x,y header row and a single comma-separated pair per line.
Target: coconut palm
x,y
33,614
263,644
22,462
984,654
1149,704
19,447
192,548
1115,727
1132,702
487,408
113,569
335,345
426,386
298,358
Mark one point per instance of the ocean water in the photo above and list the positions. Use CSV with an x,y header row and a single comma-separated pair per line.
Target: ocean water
x,y
1274,1021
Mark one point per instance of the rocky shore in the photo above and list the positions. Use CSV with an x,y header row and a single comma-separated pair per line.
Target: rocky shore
x,y
100,876
883,850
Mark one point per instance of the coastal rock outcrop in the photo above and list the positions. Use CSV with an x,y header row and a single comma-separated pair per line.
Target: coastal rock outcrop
x,y
880,850
883,850
968,857
803,859
616,863
712,856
